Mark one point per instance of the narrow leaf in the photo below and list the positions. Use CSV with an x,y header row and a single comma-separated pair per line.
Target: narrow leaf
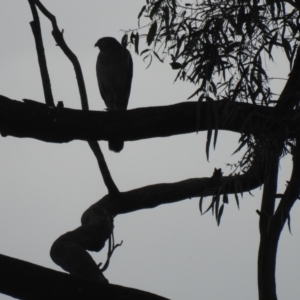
x,y
144,51
124,41
141,12
151,33
272,42
200,205
217,202
209,128
155,8
220,214
287,48
237,200
176,65
158,57
136,43
225,198
289,223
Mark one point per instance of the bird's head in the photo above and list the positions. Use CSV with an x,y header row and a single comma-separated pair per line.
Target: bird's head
x,y
108,44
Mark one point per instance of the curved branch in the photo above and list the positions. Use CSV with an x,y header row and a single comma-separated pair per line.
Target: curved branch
x,y
69,250
165,193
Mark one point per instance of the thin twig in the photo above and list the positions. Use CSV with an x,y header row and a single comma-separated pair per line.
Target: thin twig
x,y
36,30
58,37
111,248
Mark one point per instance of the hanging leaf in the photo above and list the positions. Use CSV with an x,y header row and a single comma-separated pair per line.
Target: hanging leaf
x,y
217,202
176,65
220,214
166,17
141,12
295,48
209,124
211,206
151,33
150,60
237,200
214,88
200,205
225,198
158,57
273,41
136,43
144,51
287,48
240,147
132,37
216,122
124,41
289,223
155,8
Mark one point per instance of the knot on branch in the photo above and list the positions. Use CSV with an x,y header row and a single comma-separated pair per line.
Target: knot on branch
x,y
69,250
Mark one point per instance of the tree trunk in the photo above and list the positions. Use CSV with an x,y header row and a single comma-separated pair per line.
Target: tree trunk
x,y
266,267
268,236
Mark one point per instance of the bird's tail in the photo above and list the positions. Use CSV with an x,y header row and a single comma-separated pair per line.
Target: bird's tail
x,y
116,145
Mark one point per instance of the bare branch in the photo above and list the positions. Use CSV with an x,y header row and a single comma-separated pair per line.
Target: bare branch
x,y
166,193
36,29
58,36
23,280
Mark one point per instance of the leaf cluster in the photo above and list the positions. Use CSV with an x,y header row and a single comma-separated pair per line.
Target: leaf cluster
x,y
220,45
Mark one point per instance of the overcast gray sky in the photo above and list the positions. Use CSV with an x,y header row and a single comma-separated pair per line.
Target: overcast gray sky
x,y
170,250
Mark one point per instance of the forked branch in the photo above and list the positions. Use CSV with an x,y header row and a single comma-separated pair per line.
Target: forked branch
x,y
58,36
36,30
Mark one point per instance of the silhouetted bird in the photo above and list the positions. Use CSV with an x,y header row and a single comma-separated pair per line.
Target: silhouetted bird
x,y
114,73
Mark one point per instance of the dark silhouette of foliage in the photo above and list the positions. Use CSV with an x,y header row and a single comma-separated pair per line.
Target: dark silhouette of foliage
x,y
222,46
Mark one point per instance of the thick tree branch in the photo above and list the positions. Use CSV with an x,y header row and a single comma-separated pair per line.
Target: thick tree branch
x,y
61,125
23,280
267,258
165,193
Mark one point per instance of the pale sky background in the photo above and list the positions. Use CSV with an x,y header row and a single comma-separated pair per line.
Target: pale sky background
x,y
170,250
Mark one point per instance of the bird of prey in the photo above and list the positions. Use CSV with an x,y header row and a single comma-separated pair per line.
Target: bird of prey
x,y
114,73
